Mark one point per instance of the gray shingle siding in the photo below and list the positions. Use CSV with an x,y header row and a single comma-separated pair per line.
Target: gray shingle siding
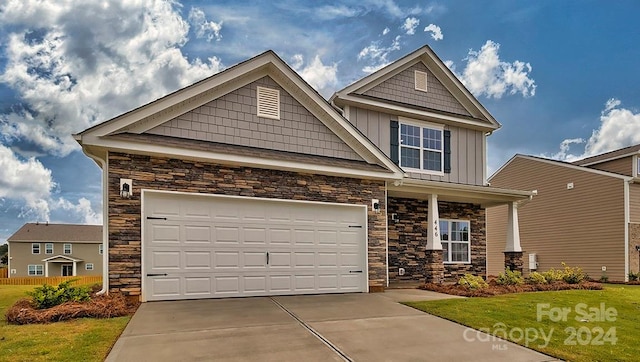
x,y
233,119
401,88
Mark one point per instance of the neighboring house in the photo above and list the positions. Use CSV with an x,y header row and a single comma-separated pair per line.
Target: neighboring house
x,y
47,250
586,213
250,183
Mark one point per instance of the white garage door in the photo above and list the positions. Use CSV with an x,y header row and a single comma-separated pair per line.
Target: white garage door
x,y
198,246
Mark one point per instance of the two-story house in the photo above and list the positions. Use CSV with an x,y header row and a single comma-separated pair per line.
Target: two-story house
x,y
586,213
47,250
250,183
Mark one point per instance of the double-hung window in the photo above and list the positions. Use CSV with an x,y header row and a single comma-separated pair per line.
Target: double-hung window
x,y
421,147
455,238
35,248
67,248
34,270
48,248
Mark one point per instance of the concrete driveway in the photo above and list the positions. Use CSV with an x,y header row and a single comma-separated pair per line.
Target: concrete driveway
x,y
335,327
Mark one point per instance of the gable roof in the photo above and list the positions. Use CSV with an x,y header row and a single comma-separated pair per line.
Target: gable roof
x,y
561,164
96,139
61,258
354,94
37,232
609,156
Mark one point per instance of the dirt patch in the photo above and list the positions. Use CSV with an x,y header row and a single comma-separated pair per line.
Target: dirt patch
x,y
100,306
495,289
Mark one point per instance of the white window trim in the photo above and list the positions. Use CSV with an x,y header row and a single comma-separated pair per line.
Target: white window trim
x,y
64,249
39,248
88,266
410,122
100,249
635,167
35,270
450,241
45,248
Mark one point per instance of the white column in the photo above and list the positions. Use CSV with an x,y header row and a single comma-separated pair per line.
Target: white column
x,y
74,269
433,218
513,229
46,268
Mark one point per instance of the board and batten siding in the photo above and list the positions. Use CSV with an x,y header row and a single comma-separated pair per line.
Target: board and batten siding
x,y
233,119
467,152
622,166
583,226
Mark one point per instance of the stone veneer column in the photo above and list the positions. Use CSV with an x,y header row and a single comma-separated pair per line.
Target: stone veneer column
x,y
513,261
433,264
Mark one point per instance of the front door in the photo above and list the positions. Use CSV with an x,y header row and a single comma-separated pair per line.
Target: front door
x,y
67,270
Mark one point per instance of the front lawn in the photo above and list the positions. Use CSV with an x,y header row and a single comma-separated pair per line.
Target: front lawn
x,y
84,339
580,325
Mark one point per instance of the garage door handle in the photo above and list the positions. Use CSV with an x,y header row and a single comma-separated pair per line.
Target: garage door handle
x,y
157,275
355,271
267,258
356,226
156,218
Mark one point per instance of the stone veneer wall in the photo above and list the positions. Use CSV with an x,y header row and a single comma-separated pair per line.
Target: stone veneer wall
x,y
156,173
408,239
634,240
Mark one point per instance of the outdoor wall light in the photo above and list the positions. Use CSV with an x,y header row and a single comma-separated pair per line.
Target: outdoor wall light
x,y
126,187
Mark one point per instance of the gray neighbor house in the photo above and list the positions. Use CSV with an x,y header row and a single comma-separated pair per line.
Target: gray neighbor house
x,y
250,183
47,250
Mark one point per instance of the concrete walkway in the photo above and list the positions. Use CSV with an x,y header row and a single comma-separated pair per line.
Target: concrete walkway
x,y
334,327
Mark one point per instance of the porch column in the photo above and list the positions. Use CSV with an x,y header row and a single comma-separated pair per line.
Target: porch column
x,y
74,269
513,250
433,266
46,268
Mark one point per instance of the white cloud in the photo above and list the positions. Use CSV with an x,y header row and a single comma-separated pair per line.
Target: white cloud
x,y
386,31
619,128
316,73
410,24
87,62
330,12
436,32
378,54
204,28
81,211
485,74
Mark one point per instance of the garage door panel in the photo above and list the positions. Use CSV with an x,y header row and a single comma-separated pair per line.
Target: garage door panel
x,y
218,246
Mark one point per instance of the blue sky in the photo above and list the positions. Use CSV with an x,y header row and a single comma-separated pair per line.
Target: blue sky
x,y
561,76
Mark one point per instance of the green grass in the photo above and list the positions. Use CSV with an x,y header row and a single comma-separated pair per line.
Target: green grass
x,y
519,312
83,339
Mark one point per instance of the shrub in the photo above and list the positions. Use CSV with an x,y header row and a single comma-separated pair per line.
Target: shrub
x,y
572,275
552,275
633,277
471,281
536,278
48,296
510,277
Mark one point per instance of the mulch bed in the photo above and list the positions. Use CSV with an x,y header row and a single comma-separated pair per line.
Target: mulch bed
x,y
100,306
494,289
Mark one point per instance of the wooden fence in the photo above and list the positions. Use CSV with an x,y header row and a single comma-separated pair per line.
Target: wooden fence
x,y
4,272
92,279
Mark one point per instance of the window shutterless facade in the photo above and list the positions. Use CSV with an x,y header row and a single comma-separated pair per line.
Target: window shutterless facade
x,y
88,266
455,236
100,249
67,248
35,248
421,147
48,248
35,270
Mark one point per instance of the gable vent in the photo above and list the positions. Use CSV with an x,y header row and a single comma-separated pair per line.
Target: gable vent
x,y
268,103
421,81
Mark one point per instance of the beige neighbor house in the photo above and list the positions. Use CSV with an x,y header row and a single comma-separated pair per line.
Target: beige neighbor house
x,y
586,213
47,250
250,183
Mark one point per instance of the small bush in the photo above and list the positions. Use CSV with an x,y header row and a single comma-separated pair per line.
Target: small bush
x,y
473,282
572,275
48,296
634,276
510,277
536,278
552,275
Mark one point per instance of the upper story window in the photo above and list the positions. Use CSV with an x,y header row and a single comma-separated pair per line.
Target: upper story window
x,y
48,248
421,147
100,249
67,248
35,248
456,241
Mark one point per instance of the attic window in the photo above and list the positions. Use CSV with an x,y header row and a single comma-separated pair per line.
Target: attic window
x,y
421,81
268,103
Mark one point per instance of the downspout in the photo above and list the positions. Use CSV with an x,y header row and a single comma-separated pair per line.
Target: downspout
x,y
105,221
627,219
